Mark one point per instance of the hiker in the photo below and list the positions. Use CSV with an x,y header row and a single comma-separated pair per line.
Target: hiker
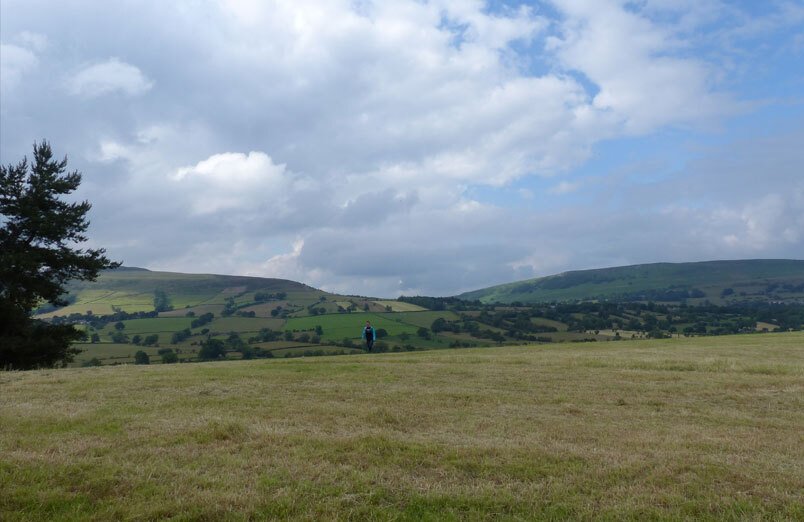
x,y
369,335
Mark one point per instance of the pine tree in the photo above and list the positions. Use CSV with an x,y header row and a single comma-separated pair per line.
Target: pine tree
x,y
39,254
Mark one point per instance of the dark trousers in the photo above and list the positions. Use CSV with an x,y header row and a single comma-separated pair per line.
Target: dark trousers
x,y
369,343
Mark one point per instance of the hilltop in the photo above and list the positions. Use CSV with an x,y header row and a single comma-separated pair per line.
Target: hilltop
x,y
716,282
131,289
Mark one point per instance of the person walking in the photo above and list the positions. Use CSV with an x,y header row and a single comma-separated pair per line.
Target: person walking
x,y
369,335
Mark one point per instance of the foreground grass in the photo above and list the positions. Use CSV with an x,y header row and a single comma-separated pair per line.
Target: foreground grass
x,y
704,428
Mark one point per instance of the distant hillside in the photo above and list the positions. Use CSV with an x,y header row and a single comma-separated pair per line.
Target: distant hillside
x,y
719,282
167,317
131,289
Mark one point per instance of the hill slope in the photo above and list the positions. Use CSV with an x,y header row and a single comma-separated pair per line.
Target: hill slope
x,y
719,282
134,290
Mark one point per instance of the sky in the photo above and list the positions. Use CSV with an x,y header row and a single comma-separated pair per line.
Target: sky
x,y
403,147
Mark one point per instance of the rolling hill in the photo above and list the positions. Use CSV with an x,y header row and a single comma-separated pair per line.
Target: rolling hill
x,y
131,289
719,282
172,316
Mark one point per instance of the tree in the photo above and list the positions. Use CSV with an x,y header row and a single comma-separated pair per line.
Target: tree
x,y
141,358
212,349
119,337
40,234
161,301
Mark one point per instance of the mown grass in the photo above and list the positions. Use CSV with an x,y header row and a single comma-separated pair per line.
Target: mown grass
x,y
701,428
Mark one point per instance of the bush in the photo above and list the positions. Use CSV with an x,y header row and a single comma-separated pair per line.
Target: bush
x,y
202,320
92,362
119,337
170,357
212,349
141,358
180,336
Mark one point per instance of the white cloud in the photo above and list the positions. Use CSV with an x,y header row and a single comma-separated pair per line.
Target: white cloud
x,y
631,60
565,187
35,41
231,180
15,62
108,77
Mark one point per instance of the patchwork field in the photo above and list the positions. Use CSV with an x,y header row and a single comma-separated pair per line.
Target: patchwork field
x,y
691,428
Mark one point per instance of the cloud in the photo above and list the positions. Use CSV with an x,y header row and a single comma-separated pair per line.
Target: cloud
x,y
35,41
634,63
565,187
231,180
407,146
15,62
108,77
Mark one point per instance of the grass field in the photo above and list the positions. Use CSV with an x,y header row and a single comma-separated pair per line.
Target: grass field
x,y
400,306
697,428
339,326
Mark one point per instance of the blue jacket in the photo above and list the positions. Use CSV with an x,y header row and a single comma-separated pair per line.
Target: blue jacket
x,y
373,332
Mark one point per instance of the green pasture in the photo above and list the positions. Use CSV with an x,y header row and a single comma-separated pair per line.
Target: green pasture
x,y
401,306
423,318
151,325
558,325
243,325
197,310
705,428
113,353
350,325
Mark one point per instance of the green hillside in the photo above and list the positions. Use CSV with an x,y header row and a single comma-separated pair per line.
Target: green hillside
x,y
719,282
133,290
171,317
132,310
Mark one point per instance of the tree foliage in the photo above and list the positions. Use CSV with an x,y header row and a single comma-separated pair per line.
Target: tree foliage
x,y
212,349
39,253
141,358
162,301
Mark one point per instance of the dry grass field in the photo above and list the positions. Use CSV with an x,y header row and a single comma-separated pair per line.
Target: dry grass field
x,y
701,428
